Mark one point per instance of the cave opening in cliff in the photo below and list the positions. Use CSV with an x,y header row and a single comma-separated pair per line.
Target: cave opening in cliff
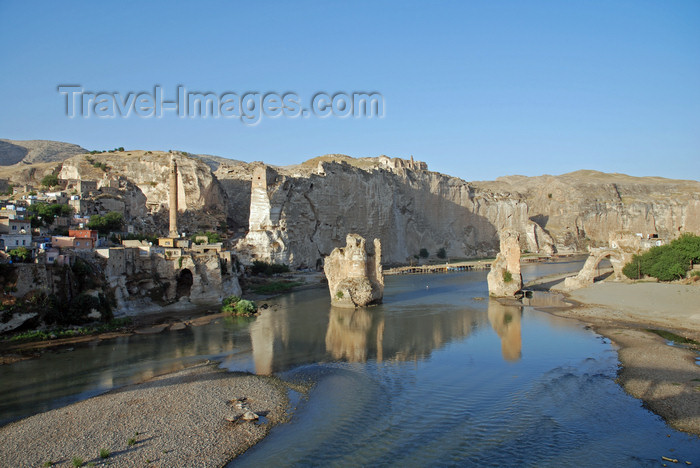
x,y
184,283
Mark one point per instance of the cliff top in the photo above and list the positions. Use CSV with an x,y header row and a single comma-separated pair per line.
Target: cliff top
x,y
36,151
27,161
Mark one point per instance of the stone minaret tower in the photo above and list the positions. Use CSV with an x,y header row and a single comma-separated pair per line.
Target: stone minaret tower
x,y
173,198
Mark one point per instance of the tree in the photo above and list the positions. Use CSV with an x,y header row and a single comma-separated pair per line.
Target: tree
x,y
50,180
442,253
423,253
43,214
666,262
212,237
21,254
112,221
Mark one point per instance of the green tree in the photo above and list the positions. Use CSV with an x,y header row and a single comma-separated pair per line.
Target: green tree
x,y
423,253
21,254
442,253
112,221
43,214
50,180
212,237
666,262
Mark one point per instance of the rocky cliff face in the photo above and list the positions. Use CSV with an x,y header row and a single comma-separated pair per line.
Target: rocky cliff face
x,y
300,214
584,208
140,179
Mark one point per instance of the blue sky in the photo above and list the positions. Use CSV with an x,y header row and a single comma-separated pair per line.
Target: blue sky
x,y
477,89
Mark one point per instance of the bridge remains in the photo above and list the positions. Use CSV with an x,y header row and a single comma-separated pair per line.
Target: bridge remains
x,y
623,246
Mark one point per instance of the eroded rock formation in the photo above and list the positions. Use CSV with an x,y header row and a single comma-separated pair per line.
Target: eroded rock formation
x,y
621,250
301,213
354,273
505,279
138,183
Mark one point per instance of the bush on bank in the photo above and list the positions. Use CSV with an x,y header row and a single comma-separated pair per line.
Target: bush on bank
x,y
237,306
667,262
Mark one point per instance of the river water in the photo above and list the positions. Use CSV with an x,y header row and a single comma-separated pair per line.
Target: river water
x,y
438,375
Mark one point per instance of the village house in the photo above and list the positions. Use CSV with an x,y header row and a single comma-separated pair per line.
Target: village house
x,y
15,233
70,242
13,212
83,234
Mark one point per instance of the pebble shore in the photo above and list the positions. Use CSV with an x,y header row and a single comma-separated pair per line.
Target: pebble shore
x,y
181,419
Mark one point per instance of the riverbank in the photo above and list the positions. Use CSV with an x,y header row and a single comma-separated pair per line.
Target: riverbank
x,y
666,378
178,419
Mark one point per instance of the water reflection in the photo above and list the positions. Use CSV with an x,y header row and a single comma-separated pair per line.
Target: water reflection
x,y
505,320
420,314
287,335
355,334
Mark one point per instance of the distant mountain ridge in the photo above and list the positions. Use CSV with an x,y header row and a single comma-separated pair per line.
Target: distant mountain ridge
x,y
36,151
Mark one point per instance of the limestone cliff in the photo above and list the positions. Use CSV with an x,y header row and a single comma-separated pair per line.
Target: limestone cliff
x,y
299,214
138,181
584,208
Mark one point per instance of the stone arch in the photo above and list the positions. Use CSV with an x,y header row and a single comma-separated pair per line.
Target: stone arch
x,y
587,275
184,283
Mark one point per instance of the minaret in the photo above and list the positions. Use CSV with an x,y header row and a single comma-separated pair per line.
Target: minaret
x,y
173,198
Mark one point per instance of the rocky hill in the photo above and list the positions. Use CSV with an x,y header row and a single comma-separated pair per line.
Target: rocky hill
x,y
298,214
36,151
584,207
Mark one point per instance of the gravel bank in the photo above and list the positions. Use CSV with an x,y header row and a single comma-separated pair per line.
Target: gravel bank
x,y
180,418
665,377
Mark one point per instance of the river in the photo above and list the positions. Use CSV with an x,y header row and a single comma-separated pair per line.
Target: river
x,y
437,375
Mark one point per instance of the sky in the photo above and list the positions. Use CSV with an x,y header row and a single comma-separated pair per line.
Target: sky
x,y
477,89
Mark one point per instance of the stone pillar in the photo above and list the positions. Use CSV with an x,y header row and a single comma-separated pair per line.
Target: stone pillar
x,y
354,273
173,198
505,279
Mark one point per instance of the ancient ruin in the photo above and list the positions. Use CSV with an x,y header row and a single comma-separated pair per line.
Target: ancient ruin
x,y
505,279
354,273
173,198
622,247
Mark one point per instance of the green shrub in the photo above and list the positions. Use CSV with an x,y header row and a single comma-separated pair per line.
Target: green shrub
x,y
21,254
442,253
236,306
339,294
112,221
43,214
212,237
666,262
229,303
245,307
104,453
77,461
633,270
268,268
423,253
50,180
507,276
